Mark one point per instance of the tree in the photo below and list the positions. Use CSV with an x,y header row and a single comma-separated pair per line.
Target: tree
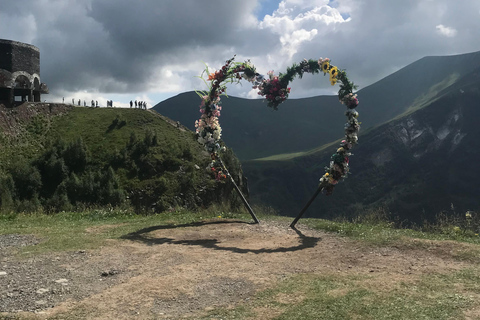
x,y
75,156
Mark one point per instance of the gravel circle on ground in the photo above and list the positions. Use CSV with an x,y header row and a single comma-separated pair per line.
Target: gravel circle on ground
x,y
17,240
43,281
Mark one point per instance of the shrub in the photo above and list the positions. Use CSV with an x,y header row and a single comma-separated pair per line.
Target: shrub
x,y
75,156
7,194
27,181
59,201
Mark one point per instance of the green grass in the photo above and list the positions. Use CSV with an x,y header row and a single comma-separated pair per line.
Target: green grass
x,y
374,229
96,126
67,231
431,95
290,156
383,233
103,130
310,296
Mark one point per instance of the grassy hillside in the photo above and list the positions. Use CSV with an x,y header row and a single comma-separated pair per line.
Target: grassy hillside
x,y
58,156
254,131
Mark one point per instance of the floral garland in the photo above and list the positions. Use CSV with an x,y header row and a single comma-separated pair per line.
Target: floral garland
x,y
275,90
207,127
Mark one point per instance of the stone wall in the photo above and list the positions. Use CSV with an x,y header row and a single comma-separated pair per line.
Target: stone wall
x,y
16,56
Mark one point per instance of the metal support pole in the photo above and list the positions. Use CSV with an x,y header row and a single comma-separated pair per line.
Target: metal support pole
x,y
245,202
292,225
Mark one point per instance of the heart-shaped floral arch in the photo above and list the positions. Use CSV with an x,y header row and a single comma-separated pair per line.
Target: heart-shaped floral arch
x,y
275,90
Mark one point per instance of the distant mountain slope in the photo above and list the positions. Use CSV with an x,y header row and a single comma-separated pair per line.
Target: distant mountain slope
x,y
256,130
253,130
416,165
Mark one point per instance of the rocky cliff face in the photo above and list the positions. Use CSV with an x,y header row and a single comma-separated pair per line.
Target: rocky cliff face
x,y
423,136
430,155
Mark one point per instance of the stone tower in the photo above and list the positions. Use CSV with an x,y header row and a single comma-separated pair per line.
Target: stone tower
x,y
19,73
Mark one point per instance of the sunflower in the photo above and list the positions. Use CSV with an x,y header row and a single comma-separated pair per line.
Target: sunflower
x,y
333,75
333,72
325,66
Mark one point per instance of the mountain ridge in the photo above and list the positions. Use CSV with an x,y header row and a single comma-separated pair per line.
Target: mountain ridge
x,y
254,131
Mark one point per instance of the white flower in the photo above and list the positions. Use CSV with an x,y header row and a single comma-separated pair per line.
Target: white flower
x,y
217,133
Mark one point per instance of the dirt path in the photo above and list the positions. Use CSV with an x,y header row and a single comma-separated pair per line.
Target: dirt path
x,y
171,272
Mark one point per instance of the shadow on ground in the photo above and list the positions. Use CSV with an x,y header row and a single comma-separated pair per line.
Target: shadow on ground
x,y
143,235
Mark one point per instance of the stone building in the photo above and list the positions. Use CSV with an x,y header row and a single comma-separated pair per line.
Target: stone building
x,y
19,73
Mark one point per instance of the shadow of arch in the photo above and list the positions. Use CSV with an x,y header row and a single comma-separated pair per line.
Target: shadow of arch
x,y
141,235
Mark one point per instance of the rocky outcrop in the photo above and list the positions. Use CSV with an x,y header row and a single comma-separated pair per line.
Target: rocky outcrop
x,y
12,120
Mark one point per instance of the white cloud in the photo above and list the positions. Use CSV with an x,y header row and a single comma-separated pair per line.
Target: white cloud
x,y
297,22
446,31
252,94
290,17
292,42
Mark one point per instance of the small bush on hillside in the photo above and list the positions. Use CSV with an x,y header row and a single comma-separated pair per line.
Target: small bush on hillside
x,y
455,224
7,194
59,201
27,181
76,156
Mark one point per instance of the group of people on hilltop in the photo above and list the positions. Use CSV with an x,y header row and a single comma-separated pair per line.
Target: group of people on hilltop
x,y
138,104
93,103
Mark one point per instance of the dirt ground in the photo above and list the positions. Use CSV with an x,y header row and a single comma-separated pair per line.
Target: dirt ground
x,y
166,272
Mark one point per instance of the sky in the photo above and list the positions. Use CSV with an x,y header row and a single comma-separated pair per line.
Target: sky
x,y
150,50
